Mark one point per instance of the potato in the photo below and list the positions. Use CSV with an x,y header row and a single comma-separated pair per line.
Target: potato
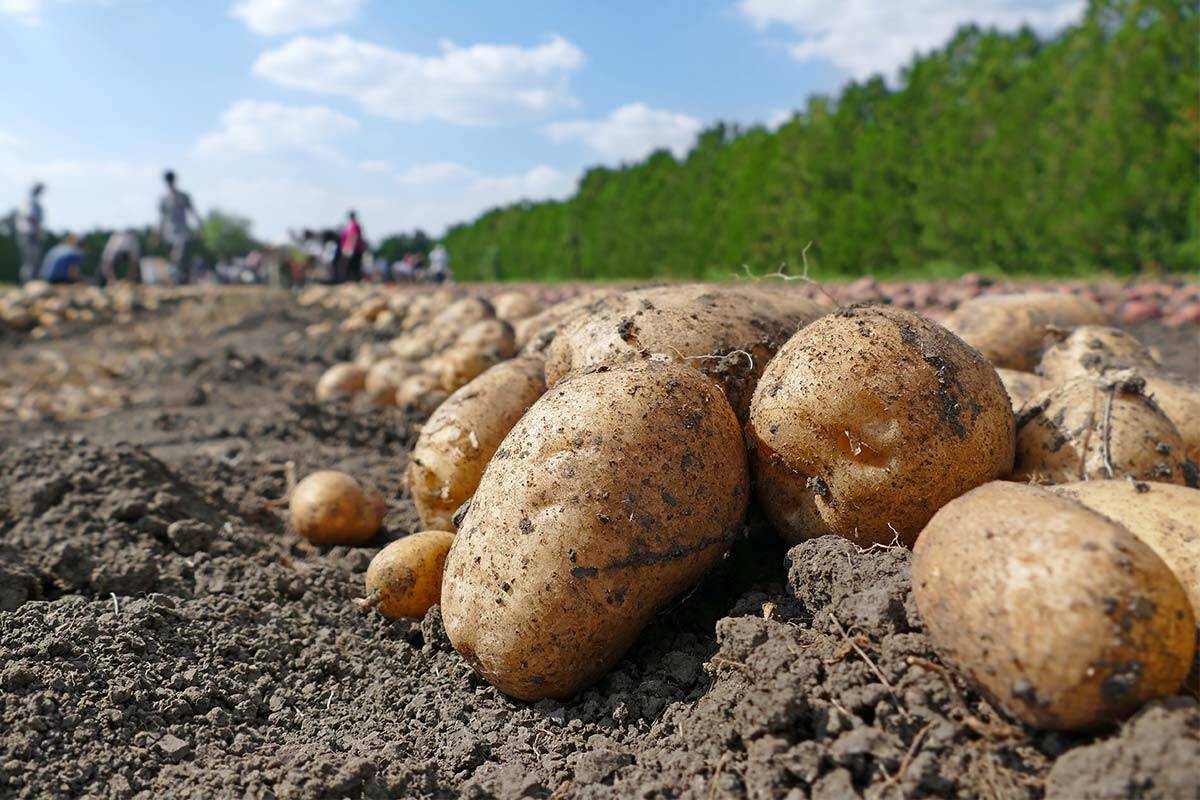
x,y
1163,515
480,346
1060,615
330,507
420,394
1021,385
868,421
388,372
534,334
1010,330
460,437
1181,403
1091,350
405,578
729,333
412,346
1098,428
381,395
614,493
457,317
341,380
512,306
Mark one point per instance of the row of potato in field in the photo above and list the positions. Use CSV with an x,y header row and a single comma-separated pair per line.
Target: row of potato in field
x,y
586,463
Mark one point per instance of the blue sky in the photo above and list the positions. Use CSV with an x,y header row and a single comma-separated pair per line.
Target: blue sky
x,y
416,114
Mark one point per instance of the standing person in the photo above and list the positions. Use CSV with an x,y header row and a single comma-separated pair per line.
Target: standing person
x,y
63,262
175,208
31,233
122,246
353,248
439,264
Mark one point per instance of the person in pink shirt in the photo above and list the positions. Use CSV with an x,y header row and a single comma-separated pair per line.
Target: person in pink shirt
x,y
353,247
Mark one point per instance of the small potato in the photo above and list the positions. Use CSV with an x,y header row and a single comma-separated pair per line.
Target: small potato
x,y
868,421
1092,350
512,306
1163,515
1021,385
330,507
1091,429
381,395
412,346
341,380
460,437
1011,330
1058,614
616,491
420,394
481,346
405,578
388,372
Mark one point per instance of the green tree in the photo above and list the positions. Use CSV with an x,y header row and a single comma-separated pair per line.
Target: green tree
x,y
226,235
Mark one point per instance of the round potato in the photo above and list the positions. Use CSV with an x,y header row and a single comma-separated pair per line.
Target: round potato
x,y
420,394
728,333
405,578
330,507
1058,614
1011,329
1091,350
868,421
1091,429
388,372
1021,386
1163,515
614,493
512,306
341,380
534,334
460,437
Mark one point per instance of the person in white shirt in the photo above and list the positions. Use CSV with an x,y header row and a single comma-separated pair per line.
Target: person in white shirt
x,y
439,264
122,246
176,212
31,233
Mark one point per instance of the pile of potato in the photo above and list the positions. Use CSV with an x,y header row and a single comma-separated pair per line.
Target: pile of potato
x,y
585,464
43,309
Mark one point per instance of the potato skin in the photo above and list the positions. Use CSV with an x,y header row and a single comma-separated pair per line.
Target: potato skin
x,y
460,437
615,492
341,380
1163,515
512,306
330,507
1091,350
534,334
1060,615
408,574
420,394
1068,433
1021,386
1181,403
1011,330
868,421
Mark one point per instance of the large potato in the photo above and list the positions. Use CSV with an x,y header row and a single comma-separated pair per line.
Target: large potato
x,y
868,421
460,437
1163,515
1091,350
1060,615
405,578
1021,386
615,492
1011,330
1098,428
534,334
728,333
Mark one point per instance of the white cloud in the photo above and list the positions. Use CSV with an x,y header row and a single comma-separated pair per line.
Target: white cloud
x,y
375,165
778,118
249,127
86,193
865,37
434,173
27,12
478,85
274,17
632,132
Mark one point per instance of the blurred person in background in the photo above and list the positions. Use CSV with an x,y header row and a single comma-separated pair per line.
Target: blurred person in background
x,y
122,248
31,232
176,212
353,247
63,262
439,264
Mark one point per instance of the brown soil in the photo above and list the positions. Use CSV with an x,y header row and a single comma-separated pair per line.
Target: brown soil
x,y
163,635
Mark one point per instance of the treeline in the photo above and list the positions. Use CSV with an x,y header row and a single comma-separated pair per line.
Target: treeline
x,y
998,152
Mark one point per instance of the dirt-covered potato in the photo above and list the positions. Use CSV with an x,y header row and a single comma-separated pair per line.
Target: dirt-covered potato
x,y
420,394
728,333
1092,350
341,380
460,437
405,578
1060,615
388,372
512,306
1163,515
1181,402
1011,330
483,345
330,507
535,333
1021,386
1090,429
868,421
614,493
412,346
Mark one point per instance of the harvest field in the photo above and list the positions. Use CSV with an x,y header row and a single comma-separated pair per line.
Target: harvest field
x,y
165,631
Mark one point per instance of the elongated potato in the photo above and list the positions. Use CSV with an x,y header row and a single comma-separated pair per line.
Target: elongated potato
x,y
614,493
1092,350
1163,515
1091,429
1021,386
868,421
405,578
728,333
1060,615
341,380
460,437
1011,330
